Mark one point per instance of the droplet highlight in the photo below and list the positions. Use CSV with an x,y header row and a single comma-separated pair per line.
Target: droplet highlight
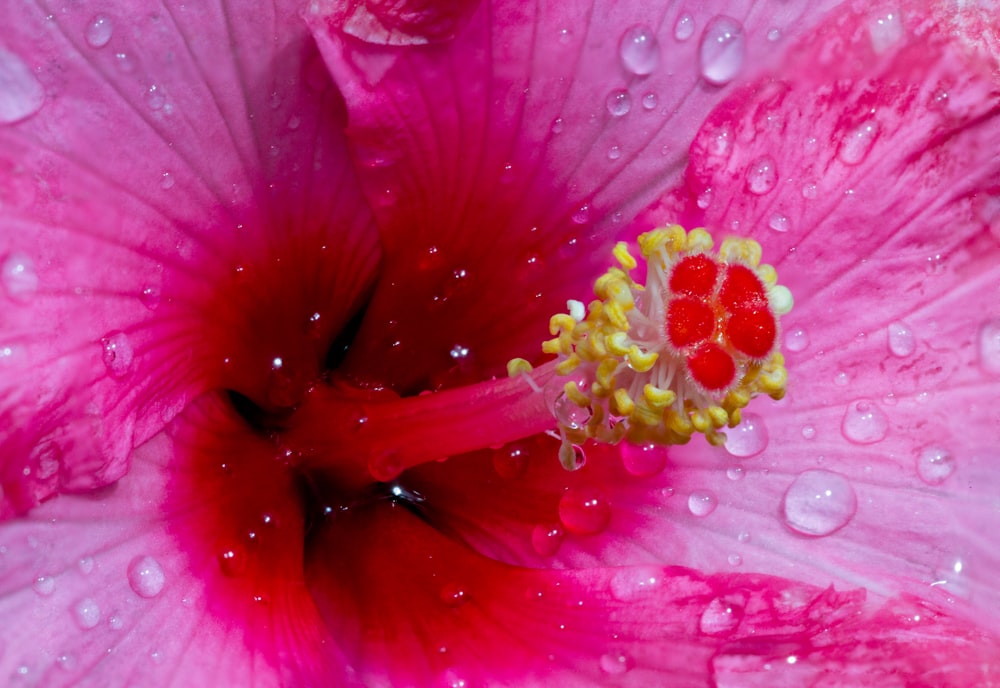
x,y
819,503
639,50
722,50
864,422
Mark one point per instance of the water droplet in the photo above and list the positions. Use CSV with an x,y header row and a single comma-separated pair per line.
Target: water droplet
x,y
885,30
643,460
778,222
989,347
808,431
743,536
150,297
44,585
762,175
18,274
99,31
568,413
734,559
796,340
385,466
951,576
582,215
639,50
749,438
21,95
856,144
87,613
616,663
85,565
166,181
901,340
684,27
145,576
734,473
459,352
584,511
232,560
546,538
819,502
935,465
864,422
635,582
705,199
614,152
117,354
453,595
619,102
702,502
774,35
557,125
722,50
809,191
155,98
649,101
511,462
721,617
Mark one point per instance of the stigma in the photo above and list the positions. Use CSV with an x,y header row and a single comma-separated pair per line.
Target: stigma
x,y
678,355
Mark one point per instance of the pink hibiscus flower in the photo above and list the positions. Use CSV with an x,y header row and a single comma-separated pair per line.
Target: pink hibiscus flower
x,y
215,353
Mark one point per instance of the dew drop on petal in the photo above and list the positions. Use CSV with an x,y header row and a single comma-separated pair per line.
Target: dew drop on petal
x,y
584,511
619,102
557,125
568,413
649,101
989,347
701,503
902,343
684,27
778,222
453,595
44,585
885,30
762,175
87,613
98,31
616,663
735,473
614,152
734,559
631,583
643,460
818,503
21,95
722,50
385,466
856,144
720,618
705,199
796,340
145,576
19,277
639,50
155,98
864,422
808,432
935,465
232,560
749,438
511,462
117,354
546,538
85,565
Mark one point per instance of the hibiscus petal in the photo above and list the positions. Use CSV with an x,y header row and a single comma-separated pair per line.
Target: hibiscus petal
x,y
153,180
501,162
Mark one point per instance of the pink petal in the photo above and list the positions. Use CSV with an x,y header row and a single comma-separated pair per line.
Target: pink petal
x,y
390,22
157,185
498,171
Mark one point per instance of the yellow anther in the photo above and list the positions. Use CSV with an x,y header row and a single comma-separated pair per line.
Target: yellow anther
x,y
641,361
617,343
624,258
567,365
745,251
658,398
573,393
616,314
621,403
647,416
679,423
716,439
561,322
518,366
767,273
698,241
701,422
552,346
606,372
718,416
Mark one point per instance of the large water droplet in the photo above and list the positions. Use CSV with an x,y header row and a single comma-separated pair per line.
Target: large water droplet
x,y
232,560
935,465
44,585
902,343
643,460
584,511
819,503
762,175
639,50
722,50
568,413
702,502
21,95
720,618
616,663
989,347
856,144
546,538
511,462
749,438
117,354
796,340
145,576
98,31
864,422
619,102
87,613
684,27
19,277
